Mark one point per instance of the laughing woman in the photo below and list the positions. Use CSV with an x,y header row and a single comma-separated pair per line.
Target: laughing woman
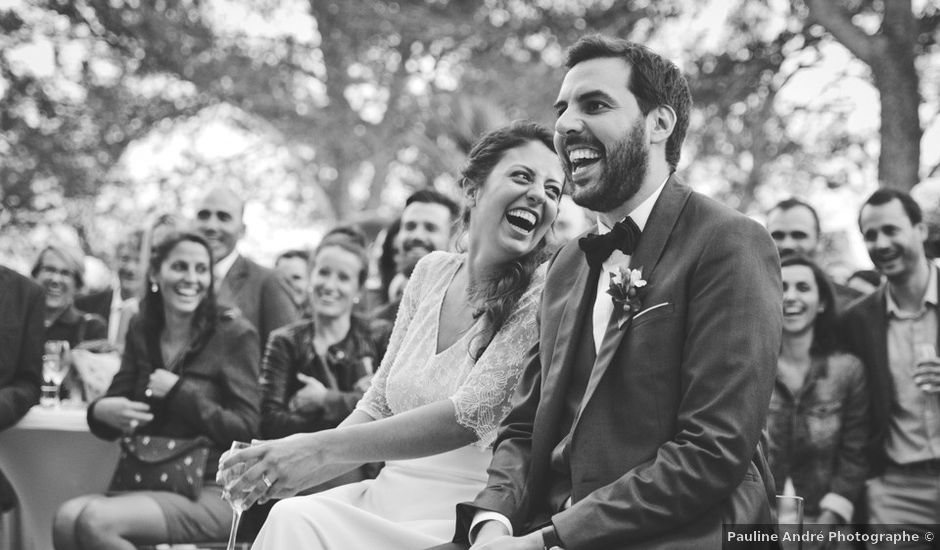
x,y
818,421
188,370
455,355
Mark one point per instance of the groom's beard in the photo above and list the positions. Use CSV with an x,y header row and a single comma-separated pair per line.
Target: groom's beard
x,y
625,169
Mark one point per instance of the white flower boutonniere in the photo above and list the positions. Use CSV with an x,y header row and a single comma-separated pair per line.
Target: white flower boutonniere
x,y
625,288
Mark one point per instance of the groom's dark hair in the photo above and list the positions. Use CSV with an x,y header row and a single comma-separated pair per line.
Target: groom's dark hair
x,y
654,81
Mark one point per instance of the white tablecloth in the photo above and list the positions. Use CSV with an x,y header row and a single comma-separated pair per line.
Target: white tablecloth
x,y
50,457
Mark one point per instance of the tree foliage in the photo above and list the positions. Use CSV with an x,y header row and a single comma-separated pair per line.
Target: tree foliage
x,y
360,101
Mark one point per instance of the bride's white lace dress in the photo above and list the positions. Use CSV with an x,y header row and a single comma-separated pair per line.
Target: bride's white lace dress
x,y
411,504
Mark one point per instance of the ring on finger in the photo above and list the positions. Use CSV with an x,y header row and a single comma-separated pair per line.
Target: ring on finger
x,y
148,392
267,482
133,424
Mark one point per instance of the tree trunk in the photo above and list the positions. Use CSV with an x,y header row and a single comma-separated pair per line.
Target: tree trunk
x,y
890,54
896,78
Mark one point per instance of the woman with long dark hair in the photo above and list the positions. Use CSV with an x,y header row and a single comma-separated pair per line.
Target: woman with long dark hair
x,y
818,422
456,353
188,370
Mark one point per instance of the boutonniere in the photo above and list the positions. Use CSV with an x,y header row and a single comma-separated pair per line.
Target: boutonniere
x,y
625,288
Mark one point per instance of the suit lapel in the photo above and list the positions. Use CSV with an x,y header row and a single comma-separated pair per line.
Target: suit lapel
x,y
568,329
649,250
560,366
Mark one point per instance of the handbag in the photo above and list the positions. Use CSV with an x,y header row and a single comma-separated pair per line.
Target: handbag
x,y
154,463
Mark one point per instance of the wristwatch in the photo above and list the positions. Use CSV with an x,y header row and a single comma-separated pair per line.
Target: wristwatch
x,y
550,538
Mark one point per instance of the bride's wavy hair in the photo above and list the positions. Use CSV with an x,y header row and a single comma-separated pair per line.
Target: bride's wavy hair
x,y
495,297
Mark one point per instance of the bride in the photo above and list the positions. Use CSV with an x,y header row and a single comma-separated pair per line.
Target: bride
x,y
454,358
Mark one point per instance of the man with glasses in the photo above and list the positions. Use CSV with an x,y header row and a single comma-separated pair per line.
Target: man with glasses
x,y
60,272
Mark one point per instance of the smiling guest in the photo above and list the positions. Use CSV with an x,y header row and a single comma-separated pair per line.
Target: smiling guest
x,y
452,364
818,422
314,371
189,369
894,331
60,272
261,296
118,303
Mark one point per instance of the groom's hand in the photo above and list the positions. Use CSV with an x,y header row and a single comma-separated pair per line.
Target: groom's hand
x,y
532,541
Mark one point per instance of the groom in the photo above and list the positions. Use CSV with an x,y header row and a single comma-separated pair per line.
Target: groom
x,y
638,417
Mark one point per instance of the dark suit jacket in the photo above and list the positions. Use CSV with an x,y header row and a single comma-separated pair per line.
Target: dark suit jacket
x,y
662,453
98,303
217,395
21,340
864,329
259,294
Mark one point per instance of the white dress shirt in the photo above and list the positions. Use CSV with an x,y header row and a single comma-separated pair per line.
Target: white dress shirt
x,y
222,267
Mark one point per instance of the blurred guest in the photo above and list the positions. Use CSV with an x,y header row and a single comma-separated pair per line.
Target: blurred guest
x,y
572,221
258,293
794,226
315,371
22,333
894,332
157,229
59,271
118,303
189,369
865,281
389,259
426,225
818,422
294,266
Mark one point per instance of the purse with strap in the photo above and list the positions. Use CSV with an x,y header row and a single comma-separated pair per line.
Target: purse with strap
x,y
154,463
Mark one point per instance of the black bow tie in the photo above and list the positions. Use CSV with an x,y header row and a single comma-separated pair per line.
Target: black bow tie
x,y
623,237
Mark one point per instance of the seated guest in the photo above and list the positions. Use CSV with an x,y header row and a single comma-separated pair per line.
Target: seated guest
x,y
259,294
294,266
426,225
452,365
189,369
22,334
59,271
315,371
118,303
865,281
818,422
389,257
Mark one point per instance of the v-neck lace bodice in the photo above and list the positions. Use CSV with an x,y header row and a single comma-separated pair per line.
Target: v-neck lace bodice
x,y
412,374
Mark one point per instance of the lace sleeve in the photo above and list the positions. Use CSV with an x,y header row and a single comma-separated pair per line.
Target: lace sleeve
x,y
375,402
483,400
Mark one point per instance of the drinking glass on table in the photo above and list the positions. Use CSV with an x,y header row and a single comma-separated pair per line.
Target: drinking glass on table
x,y
55,366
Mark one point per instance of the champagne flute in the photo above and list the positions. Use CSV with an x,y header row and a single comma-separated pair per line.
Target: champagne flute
x,y
55,365
790,515
237,502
